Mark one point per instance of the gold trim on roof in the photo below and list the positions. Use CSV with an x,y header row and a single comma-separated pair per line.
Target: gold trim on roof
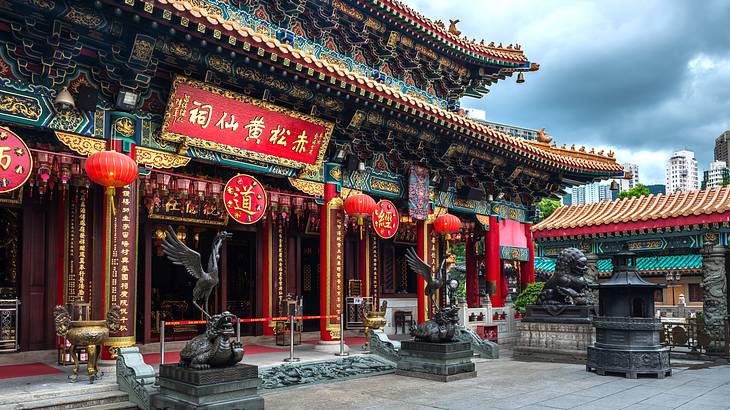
x,y
160,159
80,144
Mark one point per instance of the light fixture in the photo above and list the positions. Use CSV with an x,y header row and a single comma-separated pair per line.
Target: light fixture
x,y
127,100
361,166
453,284
520,78
339,155
64,101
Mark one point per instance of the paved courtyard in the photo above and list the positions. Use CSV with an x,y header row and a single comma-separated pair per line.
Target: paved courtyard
x,y
507,384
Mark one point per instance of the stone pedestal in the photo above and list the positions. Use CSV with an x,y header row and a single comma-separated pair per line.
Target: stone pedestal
x,y
555,333
443,362
629,346
223,388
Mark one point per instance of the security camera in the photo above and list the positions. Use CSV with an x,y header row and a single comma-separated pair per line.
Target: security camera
x,y
64,101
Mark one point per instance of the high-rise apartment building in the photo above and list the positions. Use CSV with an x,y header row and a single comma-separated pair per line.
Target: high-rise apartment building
x,y
589,193
722,148
716,176
681,172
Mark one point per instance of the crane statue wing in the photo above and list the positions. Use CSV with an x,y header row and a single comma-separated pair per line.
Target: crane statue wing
x,y
418,265
180,254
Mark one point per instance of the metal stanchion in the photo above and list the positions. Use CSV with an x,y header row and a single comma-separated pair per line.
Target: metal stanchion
x,y
342,337
291,357
238,330
162,342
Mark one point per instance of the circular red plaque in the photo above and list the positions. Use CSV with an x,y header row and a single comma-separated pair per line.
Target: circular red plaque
x,y
386,219
245,199
16,162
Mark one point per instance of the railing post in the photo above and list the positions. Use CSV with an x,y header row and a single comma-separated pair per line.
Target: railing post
x,y
342,337
162,342
238,330
291,357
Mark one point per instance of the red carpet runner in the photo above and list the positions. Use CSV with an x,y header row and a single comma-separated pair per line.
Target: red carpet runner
x,y
25,370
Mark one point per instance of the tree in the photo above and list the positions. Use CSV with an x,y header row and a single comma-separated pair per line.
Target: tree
x,y
546,206
636,191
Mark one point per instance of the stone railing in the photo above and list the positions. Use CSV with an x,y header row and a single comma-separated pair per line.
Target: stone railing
x,y
135,377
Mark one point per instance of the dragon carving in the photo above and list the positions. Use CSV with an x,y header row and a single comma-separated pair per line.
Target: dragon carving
x,y
569,284
214,348
441,328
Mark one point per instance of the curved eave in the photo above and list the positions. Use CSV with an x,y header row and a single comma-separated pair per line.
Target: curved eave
x,y
467,48
233,36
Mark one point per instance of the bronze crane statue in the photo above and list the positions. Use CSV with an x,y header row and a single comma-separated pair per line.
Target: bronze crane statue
x,y
181,255
433,284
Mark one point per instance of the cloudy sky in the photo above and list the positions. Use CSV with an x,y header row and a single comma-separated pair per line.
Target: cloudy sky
x,y
643,78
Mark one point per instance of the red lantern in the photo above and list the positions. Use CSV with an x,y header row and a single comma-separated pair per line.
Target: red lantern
x,y
111,169
359,206
446,225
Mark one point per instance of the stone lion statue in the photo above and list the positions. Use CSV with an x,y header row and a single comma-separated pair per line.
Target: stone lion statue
x,y
568,285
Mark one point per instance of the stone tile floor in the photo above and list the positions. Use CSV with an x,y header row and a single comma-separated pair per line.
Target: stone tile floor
x,y
508,384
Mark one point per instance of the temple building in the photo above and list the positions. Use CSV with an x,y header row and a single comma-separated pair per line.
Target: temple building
x,y
680,240
264,119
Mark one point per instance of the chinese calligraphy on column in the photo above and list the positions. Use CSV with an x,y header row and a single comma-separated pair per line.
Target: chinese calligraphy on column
x,y
78,282
123,258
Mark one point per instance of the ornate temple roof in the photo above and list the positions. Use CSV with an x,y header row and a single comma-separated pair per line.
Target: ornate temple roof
x,y
647,266
226,28
647,212
436,30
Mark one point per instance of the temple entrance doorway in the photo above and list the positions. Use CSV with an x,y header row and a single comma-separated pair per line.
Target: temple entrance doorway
x,y
241,277
310,270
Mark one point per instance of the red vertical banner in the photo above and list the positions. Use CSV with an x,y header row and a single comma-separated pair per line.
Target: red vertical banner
x,y
268,275
122,276
331,262
423,245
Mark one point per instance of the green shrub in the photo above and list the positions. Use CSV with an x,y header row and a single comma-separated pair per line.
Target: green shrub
x,y
528,296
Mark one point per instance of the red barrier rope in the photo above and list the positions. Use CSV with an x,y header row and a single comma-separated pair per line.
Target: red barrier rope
x,y
259,319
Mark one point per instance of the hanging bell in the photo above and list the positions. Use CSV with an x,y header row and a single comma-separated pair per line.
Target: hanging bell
x,y
520,78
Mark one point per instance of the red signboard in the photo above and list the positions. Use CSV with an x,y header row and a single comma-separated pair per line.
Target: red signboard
x,y
385,219
245,199
208,117
16,162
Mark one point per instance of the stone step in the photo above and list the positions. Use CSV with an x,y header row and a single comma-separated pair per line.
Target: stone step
x,y
78,389
122,405
75,401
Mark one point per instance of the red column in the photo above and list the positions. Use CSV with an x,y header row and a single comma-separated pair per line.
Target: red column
x,y
326,232
422,249
492,262
364,262
472,277
268,275
529,270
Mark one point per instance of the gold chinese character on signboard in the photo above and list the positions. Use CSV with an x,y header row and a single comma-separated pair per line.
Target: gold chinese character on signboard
x,y
299,145
231,124
200,115
5,159
242,199
278,136
255,128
